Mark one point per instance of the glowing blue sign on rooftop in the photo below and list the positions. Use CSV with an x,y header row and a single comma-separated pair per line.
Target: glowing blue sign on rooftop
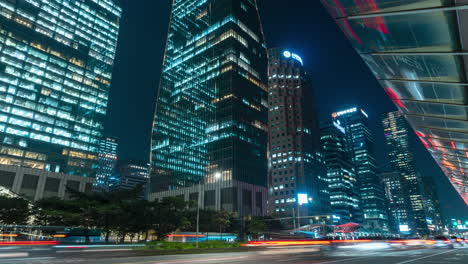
x,y
288,54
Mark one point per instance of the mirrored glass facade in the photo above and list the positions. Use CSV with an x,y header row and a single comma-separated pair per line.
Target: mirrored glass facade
x,y
56,61
210,125
417,51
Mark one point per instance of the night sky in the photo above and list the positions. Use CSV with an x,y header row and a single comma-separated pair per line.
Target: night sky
x,y
339,76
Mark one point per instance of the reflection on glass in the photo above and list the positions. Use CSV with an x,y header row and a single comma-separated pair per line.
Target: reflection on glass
x,y
449,135
434,92
341,8
437,110
438,123
437,68
415,33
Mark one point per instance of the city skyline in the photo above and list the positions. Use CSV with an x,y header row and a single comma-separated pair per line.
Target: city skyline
x,y
194,130
317,48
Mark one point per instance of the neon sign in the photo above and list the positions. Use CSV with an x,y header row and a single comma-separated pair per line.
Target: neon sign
x,y
352,110
288,54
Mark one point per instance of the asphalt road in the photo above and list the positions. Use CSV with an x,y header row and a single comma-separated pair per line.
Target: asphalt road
x,y
420,256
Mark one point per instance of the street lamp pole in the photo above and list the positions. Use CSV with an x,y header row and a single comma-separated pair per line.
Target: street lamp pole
x,y
298,216
294,218
198,213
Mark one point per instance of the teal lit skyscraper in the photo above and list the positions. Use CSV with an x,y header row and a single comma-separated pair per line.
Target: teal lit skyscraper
x,y
361,141
210,125
422,208
107,160
56,60
341,175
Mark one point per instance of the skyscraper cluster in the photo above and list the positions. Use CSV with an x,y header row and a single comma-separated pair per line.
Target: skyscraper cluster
x,y
235,128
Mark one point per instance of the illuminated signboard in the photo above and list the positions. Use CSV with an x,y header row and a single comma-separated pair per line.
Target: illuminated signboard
x,y
302,198
404,228
347,111
289,54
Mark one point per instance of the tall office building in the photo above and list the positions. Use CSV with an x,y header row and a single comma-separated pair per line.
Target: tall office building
x,y
399,206
56,60
372,196
401,157
210,126
107,160
129,174
416,51
341,176
296,166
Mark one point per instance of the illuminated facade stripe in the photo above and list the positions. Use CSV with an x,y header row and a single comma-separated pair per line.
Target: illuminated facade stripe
x,y
56,60
417,50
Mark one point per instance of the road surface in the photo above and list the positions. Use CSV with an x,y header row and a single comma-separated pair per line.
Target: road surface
x,y
418,256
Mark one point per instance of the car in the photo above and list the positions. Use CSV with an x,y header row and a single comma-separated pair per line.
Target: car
x,y
443,242
458,242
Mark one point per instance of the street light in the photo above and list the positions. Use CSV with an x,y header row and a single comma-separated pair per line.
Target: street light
x,y
302,198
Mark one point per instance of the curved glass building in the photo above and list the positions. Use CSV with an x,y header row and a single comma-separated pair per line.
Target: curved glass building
x,y
418,52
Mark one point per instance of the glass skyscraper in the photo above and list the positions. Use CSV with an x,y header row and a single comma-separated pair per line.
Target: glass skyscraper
x,y
129,174
107,160
417,51
210,125
401,157
56,60
341,175
399,206
296,165
372,197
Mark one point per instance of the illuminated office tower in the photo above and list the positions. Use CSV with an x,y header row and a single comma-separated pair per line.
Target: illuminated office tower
x,y
416,50
341,176
296,166
129,174
107,159
56,60
210,126
401,157
372,196
399,208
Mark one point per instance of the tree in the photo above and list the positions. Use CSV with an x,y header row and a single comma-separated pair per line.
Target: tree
x,y
222,220
14,210
273,224
170,214
54,211
256,226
